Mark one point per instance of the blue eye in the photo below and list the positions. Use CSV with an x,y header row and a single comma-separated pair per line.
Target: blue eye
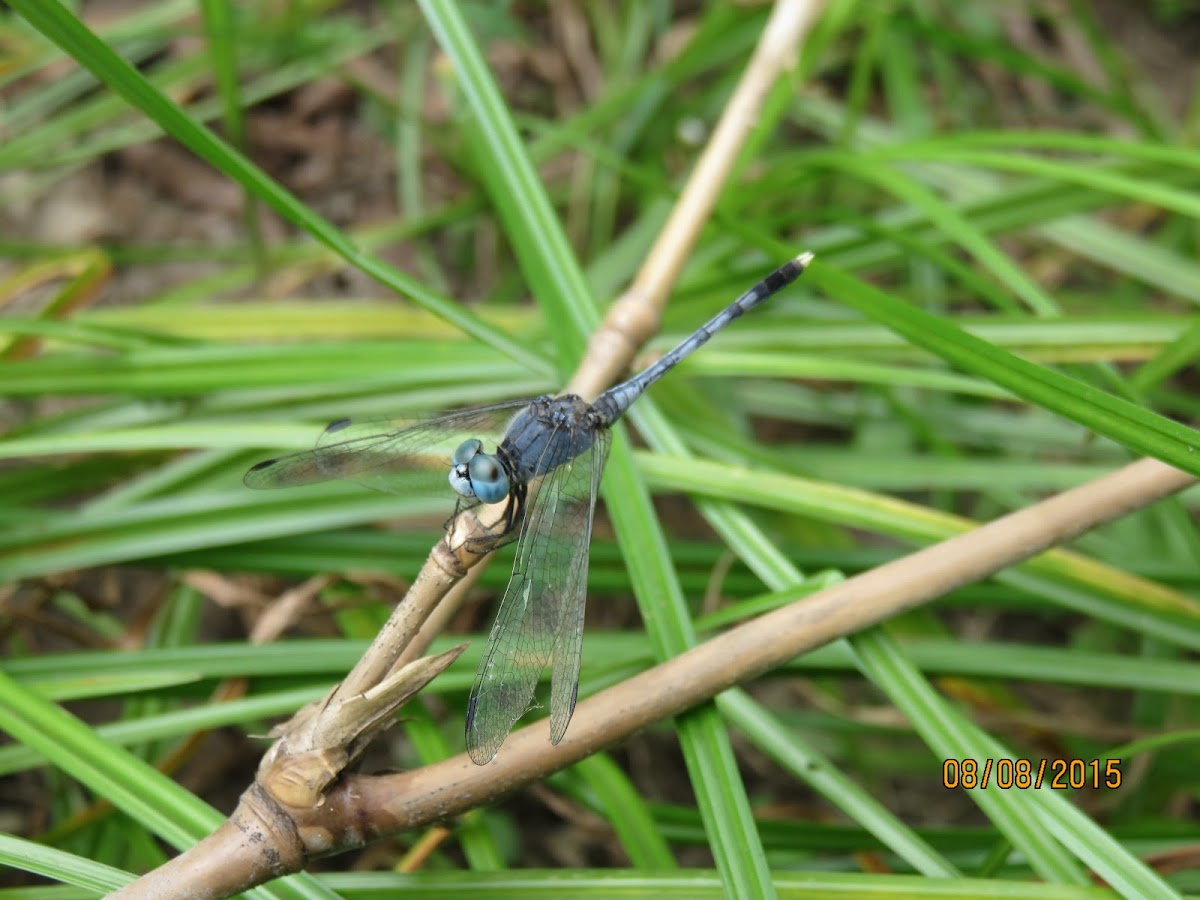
x,y
466,450
487,478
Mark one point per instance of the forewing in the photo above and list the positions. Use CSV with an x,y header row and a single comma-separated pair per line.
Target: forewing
x,y
398,457
541,613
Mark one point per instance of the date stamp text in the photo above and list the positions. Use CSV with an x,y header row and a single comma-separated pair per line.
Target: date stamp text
x,y
1026,774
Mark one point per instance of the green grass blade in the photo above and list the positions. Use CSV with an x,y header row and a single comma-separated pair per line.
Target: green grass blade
x,y
531,224
548,262
946,731
1135,427
53,20
137,789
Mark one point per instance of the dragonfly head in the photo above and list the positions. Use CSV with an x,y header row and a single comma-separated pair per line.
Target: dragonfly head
x,y
474,473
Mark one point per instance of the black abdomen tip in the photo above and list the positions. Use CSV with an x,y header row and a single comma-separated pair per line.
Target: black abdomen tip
x,y
793,268
336,426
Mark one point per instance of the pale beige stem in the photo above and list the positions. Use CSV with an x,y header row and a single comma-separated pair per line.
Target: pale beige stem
x,y
403,637
635,316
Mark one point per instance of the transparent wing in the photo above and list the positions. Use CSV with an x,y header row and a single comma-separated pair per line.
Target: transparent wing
x,y
541,613
568,641
398,457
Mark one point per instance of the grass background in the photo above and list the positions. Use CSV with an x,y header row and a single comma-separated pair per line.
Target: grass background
x,y
1015,181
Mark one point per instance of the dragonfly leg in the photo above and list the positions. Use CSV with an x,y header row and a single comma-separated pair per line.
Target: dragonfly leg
x,y
460,507
505,531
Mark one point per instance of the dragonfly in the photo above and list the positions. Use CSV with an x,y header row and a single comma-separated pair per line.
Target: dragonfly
x,y
546,467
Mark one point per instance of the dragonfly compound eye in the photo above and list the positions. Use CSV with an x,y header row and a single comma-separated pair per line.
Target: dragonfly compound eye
x,y
488,478
466,450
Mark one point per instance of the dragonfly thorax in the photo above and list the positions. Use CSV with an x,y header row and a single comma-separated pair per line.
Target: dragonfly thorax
x,y
474,473
548,433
